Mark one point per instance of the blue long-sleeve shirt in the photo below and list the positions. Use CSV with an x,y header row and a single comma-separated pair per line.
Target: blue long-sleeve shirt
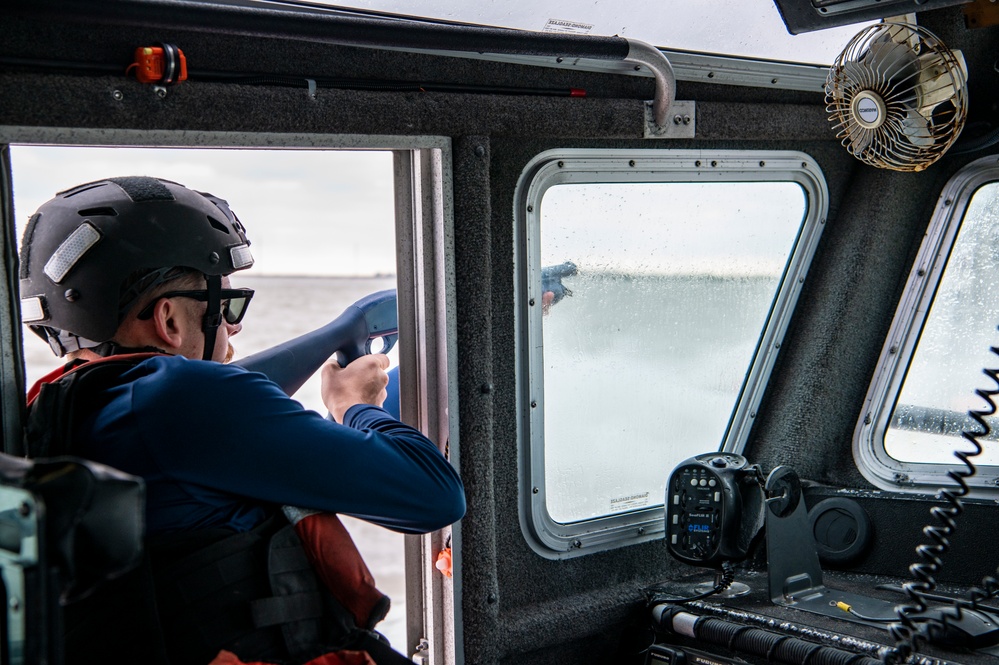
x,y
218,445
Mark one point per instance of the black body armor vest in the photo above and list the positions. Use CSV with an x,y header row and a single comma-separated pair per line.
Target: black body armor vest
x,y
255,594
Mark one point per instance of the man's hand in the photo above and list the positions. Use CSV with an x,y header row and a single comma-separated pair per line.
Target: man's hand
x,y
361,382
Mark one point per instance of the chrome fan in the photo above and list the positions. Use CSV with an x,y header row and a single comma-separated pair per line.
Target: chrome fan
x,y
897,96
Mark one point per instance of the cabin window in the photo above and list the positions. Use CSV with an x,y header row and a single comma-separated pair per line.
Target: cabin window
x,y
323,232
673,275
940,343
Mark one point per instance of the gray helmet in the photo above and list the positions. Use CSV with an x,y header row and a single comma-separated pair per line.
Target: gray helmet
x,y
90,252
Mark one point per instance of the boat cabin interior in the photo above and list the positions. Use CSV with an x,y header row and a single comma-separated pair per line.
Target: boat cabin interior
x,y
708,328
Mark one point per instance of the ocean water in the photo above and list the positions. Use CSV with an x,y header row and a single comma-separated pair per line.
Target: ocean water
x,y
283,308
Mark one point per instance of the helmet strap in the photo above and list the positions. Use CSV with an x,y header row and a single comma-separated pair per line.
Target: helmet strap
x,y
213,315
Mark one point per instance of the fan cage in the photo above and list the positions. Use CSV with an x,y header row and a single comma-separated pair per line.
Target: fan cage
x,y
922,84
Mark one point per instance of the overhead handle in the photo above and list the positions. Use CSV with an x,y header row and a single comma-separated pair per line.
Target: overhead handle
x,y
642,53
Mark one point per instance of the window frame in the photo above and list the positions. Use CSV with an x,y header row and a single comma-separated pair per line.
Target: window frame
x,y
424,218
554,540
910,316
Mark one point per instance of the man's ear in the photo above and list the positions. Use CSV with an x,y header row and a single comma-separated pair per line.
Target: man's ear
x,y
167,326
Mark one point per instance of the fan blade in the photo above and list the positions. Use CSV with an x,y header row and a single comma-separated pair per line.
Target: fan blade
x,y
937,83
917,130
890,58
858,137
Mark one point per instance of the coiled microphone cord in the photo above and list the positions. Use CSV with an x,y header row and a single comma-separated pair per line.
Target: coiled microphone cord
x,y
907,634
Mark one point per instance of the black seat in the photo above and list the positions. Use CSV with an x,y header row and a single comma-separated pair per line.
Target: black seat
x,y
67,526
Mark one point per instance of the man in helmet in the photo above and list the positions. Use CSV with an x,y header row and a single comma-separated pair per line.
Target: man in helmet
x,y
136,270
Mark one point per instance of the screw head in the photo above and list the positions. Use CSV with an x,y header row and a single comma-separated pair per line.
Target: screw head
x,y
72,295
117,95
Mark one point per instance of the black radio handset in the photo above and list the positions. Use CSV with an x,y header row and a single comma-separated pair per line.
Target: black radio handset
x,y
714,509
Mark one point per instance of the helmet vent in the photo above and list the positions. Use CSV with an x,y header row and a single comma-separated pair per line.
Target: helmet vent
x,y
79,189
97,212
216,224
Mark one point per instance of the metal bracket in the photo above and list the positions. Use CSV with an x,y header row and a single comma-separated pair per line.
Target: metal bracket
x,y
681,121
793,562
422,655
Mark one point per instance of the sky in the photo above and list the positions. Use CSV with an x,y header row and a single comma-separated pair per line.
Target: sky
x,y
307,212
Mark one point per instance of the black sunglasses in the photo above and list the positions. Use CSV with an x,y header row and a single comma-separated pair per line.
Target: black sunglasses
x,y
234,302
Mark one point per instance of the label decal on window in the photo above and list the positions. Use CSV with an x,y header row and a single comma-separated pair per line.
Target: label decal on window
x,y
629,502
570,27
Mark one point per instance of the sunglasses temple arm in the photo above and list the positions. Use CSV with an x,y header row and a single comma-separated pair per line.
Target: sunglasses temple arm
x,y
349,336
